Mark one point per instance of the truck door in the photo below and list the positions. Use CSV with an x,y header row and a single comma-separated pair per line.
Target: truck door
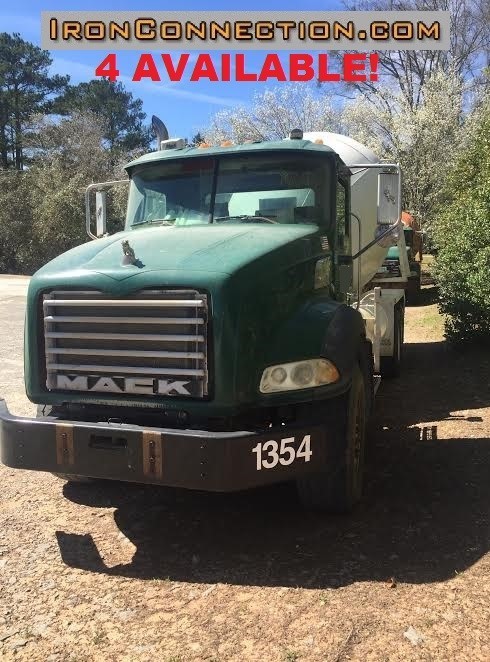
x,y
343,249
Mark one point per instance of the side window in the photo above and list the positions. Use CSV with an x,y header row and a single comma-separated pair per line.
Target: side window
x,y
342,220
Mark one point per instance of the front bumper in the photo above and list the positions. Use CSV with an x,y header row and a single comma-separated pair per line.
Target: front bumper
x,y
195,459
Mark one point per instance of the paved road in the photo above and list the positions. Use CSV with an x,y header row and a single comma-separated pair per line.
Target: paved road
x,y
12,286
13,291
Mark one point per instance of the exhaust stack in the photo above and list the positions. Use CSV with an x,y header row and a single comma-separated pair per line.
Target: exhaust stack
x,y
163,140
159,129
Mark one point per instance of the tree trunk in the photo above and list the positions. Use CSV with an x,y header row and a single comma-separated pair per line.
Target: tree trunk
x,y
4,153
4,143
18,160
19,163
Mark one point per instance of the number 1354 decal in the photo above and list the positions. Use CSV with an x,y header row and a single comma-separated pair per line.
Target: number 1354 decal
x,y
271,453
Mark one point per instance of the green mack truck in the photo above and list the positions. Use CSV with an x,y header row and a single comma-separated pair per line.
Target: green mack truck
x,y
229,337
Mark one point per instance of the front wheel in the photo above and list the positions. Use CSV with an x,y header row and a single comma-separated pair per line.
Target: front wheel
x,y
339,488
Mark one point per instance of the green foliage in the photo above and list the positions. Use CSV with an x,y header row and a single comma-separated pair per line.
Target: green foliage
x,y
123,115
462,235
17,246
25,88
196,140
47,161
44,206
69,157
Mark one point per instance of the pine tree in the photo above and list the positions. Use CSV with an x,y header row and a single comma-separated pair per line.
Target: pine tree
x,y
122,114
26,88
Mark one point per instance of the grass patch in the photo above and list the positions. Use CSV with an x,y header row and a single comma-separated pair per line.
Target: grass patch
x,y
424,320
432,320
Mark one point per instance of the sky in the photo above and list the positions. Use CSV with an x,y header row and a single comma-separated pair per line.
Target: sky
x,y
185,106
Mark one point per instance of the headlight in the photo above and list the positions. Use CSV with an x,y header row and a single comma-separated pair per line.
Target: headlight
x,y
298,375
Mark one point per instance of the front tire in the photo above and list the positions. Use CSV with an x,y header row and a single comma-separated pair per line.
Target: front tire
x,y
338,489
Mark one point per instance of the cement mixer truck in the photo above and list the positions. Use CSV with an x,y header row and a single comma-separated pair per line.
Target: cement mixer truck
x,y
232,335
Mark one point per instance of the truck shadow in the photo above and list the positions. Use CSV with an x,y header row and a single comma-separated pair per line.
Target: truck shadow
x,y
427,296
425,516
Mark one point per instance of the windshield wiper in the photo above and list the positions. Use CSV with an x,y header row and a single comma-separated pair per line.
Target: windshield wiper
x,y
154,221
245,217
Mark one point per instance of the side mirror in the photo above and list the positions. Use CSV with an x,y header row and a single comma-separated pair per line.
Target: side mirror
x,y
100,207
101,213
389,198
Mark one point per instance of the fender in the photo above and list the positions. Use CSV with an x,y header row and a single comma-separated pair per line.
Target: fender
x,y
322,327
343,341
302,335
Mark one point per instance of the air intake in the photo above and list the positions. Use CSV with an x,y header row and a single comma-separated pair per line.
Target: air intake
x,y
153,343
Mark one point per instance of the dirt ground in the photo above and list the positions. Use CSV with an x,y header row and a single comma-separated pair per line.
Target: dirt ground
x,y
118,572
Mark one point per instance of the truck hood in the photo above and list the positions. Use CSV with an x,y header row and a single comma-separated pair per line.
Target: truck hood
x,y
259,279
211,248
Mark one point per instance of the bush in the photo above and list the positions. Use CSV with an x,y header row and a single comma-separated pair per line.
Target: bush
x,y
43,207
463,239
18,245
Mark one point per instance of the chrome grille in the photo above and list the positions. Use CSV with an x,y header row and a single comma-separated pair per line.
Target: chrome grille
x,y
152,343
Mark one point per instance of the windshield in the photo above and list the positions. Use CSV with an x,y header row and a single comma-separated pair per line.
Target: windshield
x,y
267,188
